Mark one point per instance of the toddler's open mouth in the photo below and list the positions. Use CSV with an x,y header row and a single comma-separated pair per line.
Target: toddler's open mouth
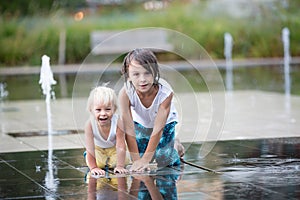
x,y
103,119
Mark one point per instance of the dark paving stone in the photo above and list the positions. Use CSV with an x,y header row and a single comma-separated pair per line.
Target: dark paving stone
x,y
248,169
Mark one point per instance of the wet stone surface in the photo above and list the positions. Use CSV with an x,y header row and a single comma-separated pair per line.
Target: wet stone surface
x,y
247,169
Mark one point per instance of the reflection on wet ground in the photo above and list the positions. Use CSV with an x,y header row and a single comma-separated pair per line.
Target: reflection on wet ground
x,y
248,169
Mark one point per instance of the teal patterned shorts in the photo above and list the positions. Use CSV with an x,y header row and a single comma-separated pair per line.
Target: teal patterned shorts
x,y
165,154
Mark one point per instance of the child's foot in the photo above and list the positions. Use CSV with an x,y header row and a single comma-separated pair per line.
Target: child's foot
x,y
179,148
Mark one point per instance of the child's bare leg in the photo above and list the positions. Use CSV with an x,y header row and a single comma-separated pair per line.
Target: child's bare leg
x,y
179,147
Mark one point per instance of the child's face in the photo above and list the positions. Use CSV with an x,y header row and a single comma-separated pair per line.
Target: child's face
x,y
103,113
141,79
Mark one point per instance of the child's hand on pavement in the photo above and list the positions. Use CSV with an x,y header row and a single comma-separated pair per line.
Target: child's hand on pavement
x,y
97,171
139,165
120,170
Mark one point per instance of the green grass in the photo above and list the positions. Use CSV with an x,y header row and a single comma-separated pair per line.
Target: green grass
x,y
24,40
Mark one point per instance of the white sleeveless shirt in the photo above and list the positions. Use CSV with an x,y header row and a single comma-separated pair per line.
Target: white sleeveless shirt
x,y
146,116
111,140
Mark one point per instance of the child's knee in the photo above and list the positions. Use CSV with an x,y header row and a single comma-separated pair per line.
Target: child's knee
x,y
167,157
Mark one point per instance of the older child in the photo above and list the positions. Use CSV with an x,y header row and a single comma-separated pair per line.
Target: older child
x,y
105,142
147,111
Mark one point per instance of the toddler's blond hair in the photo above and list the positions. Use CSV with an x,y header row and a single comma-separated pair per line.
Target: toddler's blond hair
x,y
102,94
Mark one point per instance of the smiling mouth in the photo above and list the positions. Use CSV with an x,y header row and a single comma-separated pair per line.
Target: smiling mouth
x,y
103,119
145,85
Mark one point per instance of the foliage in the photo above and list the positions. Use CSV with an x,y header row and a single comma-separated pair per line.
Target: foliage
x,y
24,39
21,8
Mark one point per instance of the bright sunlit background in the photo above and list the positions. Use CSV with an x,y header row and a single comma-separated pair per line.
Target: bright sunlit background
x,y
30,28
62,30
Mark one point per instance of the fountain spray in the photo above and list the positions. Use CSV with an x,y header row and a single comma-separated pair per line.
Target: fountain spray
x,y
46,81
228,56
286,60
287,57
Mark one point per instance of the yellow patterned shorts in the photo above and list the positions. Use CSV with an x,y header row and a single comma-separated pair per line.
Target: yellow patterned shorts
x,y
107,156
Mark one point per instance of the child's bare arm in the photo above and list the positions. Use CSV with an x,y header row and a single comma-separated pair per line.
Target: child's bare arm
x,y
128,126
89,145
121,152
90,150
159,124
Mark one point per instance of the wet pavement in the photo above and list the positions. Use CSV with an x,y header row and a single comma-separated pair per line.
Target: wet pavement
x,y
257,156
246,169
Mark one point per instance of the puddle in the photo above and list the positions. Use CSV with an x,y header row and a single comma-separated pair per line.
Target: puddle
x,y
43,133
246,173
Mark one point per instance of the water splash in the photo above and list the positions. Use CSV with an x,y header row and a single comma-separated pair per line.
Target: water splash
x,y
235,158
3,96
3,91
46,78
46,81
228,55
287,58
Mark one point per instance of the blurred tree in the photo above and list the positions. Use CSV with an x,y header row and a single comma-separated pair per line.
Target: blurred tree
x,y
19,8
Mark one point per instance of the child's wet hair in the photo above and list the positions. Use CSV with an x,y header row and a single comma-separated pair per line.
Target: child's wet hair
x,y
102,94
144,57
